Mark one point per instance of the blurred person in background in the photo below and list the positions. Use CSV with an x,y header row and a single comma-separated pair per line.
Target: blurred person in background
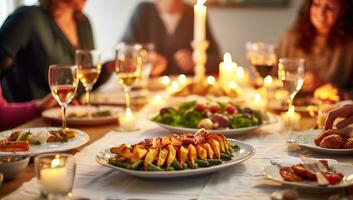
x,y
168,24
34,37
323,36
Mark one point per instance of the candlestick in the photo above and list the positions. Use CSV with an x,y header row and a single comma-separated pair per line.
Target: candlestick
x,y
199,57
227,71
291,119
200,20
127,121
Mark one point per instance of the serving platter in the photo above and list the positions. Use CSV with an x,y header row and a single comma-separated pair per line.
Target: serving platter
x,y
54,114
80,139
307,139
272,172
246,152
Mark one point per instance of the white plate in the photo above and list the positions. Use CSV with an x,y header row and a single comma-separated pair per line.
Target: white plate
x,y
50,147
272,172
246,152
55,115
271,120
307,139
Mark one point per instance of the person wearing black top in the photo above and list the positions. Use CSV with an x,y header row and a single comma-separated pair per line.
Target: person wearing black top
x,y
169,26
34,37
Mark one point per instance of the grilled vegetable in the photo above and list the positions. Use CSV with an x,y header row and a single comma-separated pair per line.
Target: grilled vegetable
x,y
215,147
225,157
214,161
176,165
162,157
182,155
150,157
139,152
152,167
192,155
209,150
137,165
171,155
201,152
202,163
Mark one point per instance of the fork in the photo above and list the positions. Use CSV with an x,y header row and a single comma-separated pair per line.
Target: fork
x,y
317,168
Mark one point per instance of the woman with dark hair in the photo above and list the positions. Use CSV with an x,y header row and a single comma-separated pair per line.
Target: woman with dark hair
x,y
323,36
33,37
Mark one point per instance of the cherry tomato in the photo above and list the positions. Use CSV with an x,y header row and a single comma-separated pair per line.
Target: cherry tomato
x,y
214,108
230,109
200,107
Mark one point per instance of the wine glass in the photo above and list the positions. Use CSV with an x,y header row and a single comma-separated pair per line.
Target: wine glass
x,y
89,67
63,84
291,73
262,56
128,65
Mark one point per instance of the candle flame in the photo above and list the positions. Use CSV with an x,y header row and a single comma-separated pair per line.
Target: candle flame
x,y
258,98
232,85
175,85
291,110
240,71
268,80
182,79
200,2
211,80
128,113
55,163
227,58
158,98
165,80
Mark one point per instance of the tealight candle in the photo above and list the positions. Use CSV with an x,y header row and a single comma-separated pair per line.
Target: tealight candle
x,y
158,102
259,103
54,179
211,80
165,80
174,87
291,119
268,81
127,120
227,71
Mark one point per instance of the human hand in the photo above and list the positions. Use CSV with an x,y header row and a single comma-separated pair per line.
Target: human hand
x,y
184,60
159,64
311,82
345,112
46,103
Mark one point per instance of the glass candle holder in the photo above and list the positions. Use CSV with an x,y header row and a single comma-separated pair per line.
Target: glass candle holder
x,y
55,174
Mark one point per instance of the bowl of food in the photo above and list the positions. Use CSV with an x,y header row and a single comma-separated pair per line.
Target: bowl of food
x,y
11,166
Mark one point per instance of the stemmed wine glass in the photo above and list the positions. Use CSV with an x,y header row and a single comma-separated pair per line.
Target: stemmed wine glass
x,y
262,56
89,67
128,67
291,73
63,84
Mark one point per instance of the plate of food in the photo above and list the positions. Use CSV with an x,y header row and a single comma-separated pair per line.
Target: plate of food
x,y
330,142
176,155
33,141
225,118
78,115
338,175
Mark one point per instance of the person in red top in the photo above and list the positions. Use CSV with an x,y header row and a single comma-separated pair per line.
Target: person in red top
x,y
14,114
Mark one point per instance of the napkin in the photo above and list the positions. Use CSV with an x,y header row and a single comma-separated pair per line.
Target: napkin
x,y
290,160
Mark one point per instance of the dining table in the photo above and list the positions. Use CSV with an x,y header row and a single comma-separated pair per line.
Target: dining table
x,y
243,181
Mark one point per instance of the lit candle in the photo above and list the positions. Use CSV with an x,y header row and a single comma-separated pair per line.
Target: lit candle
x,y
165,80
268,81
55,179
242,76
227,71
158,102
259,103
182,79
127,120
200,20
291,119
211,80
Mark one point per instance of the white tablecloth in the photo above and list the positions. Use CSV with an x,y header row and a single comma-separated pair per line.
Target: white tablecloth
x,y
244,181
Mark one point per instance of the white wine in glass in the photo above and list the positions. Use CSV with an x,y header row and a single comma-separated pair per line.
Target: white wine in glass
x,y
128,67
89,67
291,73
63,84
